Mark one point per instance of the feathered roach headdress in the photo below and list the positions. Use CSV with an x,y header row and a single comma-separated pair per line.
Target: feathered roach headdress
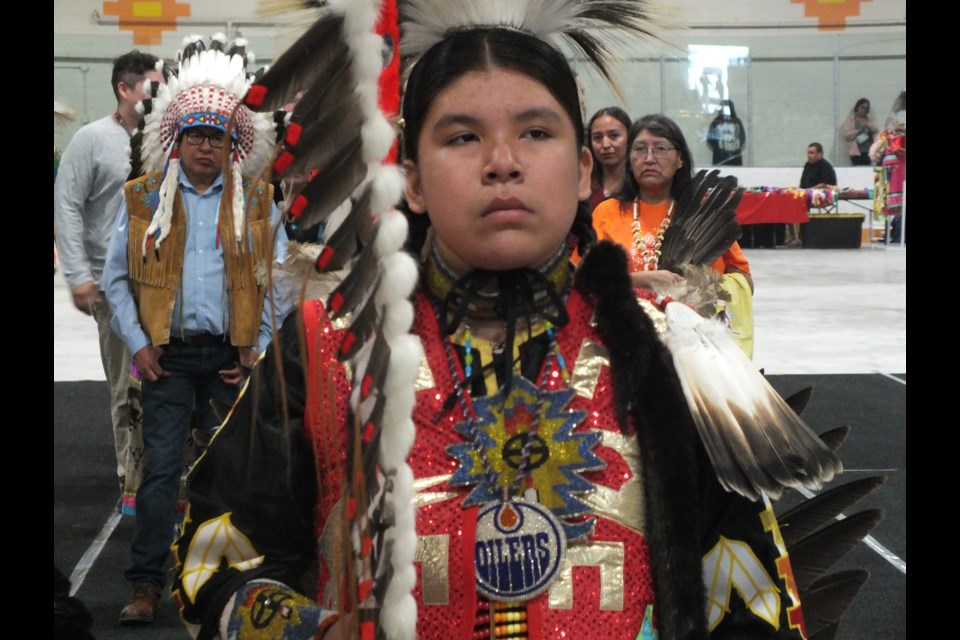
x,y
337,148
207,91
596,29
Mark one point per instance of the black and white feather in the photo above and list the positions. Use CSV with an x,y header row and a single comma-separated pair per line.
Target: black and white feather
x,y
704,224
756,441
332,154
600,31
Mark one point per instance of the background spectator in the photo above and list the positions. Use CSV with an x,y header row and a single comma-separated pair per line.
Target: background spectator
x,y
86,197
817,173
859,130
608,141
726,136
638,217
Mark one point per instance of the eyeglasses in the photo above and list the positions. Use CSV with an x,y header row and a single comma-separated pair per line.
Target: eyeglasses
x,y
659,151
196,138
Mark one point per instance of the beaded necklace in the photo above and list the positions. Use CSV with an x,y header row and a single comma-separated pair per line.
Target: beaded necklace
x,y
554,359
513,296
120,121
520,450
519,542
650,246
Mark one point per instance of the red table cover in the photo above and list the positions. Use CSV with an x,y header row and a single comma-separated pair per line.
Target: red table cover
x,y
767,207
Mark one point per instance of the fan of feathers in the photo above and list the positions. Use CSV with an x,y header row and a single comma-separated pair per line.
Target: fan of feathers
x,y
819,532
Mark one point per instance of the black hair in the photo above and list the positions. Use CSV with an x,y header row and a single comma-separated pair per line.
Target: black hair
x,y
482,49
817,146
130,68
617,114
663,127
860,102
725,103
900,104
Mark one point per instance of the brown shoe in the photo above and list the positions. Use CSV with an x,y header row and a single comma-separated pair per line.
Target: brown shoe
x,y
144,599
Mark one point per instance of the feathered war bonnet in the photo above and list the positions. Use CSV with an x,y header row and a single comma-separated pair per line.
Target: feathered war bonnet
x,y
206,91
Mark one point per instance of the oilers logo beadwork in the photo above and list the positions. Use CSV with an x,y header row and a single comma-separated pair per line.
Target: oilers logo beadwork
x,y
518,550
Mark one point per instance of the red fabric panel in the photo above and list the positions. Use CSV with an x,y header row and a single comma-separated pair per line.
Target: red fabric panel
x,y
758,208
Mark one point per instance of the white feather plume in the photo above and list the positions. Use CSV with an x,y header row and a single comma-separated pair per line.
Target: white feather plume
x,y
602,29
756,441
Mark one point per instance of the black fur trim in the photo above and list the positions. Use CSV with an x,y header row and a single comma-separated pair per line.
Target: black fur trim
x,y
647,389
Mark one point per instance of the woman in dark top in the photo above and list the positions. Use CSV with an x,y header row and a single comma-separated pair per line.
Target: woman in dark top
x,y
727,136
608,142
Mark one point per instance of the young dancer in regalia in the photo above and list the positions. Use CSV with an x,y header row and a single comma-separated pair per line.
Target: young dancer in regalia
x,y
523,463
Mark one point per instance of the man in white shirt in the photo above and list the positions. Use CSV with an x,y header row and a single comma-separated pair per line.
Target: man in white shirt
x,y
87,194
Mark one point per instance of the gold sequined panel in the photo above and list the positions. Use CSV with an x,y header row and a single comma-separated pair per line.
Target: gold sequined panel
x,y
432,553
342,322
425,378
658,317
586,371
609,557
331,555
624,505
424,497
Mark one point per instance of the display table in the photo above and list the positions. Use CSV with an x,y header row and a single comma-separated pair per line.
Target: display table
x,y
763,211
788,206
832,231
762,216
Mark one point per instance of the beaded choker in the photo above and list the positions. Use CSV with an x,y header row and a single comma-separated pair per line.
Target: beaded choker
x,y
512,296
650,245
480,293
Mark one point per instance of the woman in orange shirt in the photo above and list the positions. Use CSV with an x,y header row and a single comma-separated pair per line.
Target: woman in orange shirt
x,y
659,171
660,167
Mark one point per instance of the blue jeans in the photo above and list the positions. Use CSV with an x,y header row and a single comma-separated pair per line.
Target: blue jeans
x,y
168,406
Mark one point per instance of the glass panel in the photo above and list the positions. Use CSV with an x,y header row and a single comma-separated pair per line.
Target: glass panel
x,y
789,87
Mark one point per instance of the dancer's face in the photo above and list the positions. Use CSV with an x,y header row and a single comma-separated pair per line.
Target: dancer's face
x,y
499,171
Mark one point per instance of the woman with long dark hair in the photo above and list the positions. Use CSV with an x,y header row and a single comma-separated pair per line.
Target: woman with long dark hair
x,y
608,141
638,216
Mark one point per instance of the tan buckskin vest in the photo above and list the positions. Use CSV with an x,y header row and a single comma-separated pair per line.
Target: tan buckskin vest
x,y
155,277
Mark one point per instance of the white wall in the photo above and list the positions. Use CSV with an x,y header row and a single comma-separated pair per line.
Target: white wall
x,y
847,177
794,88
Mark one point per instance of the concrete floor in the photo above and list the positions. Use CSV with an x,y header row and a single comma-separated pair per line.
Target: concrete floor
x,y
815,311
